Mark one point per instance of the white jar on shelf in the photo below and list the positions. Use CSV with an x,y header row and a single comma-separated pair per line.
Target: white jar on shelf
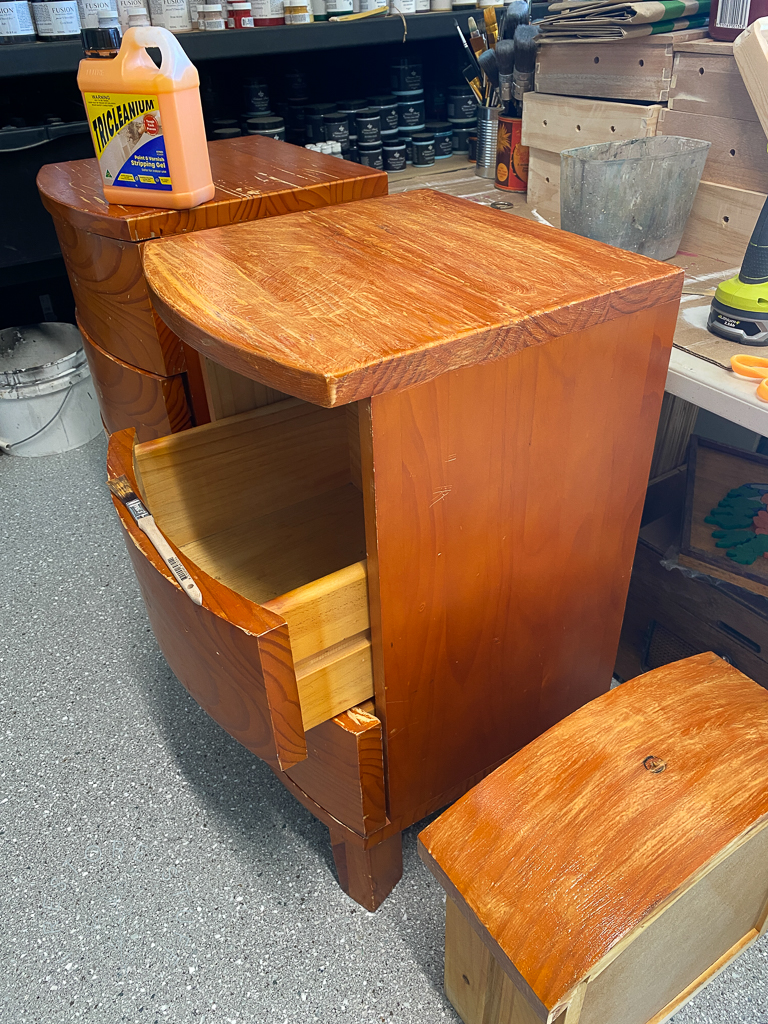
x,y
171,14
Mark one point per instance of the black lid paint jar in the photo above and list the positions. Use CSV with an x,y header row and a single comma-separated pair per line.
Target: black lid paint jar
x,y
336,128
423,149
394,156
271,127
256,95
371,154
313,120
406,135
405,76
387,110
350,108
368,122
411,113
443,132
461,138
225,133
462,104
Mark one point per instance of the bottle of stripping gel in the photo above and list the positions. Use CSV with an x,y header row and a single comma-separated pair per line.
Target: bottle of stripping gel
x,y
146,122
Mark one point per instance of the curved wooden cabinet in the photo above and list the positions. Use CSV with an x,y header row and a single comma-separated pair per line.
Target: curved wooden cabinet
x,y
102,246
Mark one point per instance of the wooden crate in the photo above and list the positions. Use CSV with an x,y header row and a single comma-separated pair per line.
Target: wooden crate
x,y
544,185
721,222
712,470
737,156
555,123
709,83
639,69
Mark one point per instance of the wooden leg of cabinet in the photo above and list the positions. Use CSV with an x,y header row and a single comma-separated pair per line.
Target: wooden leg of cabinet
x,y
368,876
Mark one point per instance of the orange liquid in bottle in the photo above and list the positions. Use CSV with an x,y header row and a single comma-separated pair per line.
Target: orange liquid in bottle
x,y
147,123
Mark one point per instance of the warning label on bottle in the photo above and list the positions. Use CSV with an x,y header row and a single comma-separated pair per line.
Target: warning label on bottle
x,y
128,137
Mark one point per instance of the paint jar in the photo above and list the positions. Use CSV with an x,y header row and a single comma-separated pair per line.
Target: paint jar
x,y
350,108
463,5
138,18
267,12
387,111
406,135
423,149
272,127
336,128
256,94
460,137
462,103
210,17
368,122
363,6
402,6
174,15
296,87
352,153
56,20
91,9
313,120
16,25
239,15
335,8
371,154
511,156
422,6
224,122
225,133
411,111
394,156
319,11
440,5
443,132
299,14
405,77
295,120
388,137
126,7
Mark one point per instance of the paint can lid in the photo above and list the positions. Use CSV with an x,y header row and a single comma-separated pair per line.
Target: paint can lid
x,y
438,126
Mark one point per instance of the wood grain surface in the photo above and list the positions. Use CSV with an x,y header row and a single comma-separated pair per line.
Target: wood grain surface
x,y
501,533
367,875
344,769
154,406
254,176
112,301
737,156
233,656
340,304
573,845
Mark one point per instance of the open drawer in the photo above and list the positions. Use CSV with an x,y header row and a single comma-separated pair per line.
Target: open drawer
x,y
266,511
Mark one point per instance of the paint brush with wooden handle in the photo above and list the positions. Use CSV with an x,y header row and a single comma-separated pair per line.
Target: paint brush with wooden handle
x,y
491,26
476,41
121,488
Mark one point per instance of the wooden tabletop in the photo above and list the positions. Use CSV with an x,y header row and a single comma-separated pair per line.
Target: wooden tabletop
x,y
254,177
575,841
347,302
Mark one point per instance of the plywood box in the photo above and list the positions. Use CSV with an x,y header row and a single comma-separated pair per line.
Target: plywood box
x,y
721,222
544,185
638,69
555,123
704,83
737,156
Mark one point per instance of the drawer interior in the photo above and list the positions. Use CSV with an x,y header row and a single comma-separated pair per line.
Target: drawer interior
x,y
269,502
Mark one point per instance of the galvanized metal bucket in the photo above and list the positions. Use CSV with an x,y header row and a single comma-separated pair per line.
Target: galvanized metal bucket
x,y
47,399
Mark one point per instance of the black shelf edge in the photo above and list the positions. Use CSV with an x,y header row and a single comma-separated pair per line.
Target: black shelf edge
x,y
50,58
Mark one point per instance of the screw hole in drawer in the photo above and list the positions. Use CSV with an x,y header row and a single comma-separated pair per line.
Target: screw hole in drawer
x,y
726,220
739,637
732,152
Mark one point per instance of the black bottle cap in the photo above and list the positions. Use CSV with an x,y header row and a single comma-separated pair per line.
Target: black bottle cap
x,y
101,39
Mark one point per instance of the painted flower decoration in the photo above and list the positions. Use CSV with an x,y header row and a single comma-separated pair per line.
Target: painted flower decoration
x,y
761,522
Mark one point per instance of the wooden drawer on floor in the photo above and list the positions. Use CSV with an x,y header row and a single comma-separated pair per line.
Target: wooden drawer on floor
x,y
266,512
128,397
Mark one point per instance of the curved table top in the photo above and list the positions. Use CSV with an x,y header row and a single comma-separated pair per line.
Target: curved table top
x,y
342,303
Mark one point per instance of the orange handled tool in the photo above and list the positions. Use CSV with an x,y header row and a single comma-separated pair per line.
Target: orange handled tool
x,y
754,368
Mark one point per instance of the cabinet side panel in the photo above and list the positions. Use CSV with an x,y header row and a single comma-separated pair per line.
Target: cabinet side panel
x,y
507,502
679,946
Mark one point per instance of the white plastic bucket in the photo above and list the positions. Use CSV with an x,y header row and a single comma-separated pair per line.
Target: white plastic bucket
x,y
47,399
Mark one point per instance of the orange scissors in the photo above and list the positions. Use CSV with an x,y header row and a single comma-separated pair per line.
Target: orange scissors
x,y
754,368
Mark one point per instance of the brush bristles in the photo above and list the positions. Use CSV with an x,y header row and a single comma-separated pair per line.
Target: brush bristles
x,y
505,56
489,14
121,488
489,67
525,44
472,25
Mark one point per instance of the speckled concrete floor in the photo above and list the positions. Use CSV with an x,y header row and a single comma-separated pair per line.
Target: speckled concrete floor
x,y
151,869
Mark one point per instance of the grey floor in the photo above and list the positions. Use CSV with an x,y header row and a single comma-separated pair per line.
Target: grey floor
x,y
151,869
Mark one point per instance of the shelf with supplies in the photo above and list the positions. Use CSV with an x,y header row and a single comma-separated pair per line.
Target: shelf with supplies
x,y
48,58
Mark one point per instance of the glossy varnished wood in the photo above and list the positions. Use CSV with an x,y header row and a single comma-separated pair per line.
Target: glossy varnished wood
x,y
233,656
255,177
501,531
151,404
369,874
580,863
387,293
